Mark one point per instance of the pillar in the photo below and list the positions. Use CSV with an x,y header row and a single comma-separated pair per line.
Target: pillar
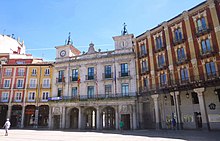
x,y
205,122
63,118
80,118
50,118
140,114
97,118
156,106
177,109
134,117
22,116
116,118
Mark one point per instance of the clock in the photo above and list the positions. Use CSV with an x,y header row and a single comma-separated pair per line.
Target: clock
x,y
62,53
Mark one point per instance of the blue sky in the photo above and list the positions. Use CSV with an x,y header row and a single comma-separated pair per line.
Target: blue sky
x,y
44,24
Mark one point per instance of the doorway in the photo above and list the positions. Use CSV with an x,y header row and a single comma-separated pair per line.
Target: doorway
x,y
126,119
56,121
198,120
74,114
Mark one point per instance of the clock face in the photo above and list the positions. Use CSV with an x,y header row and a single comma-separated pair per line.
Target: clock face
x,y
62,53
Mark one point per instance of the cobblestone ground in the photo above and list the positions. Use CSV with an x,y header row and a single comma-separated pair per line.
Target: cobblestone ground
x,y
137,135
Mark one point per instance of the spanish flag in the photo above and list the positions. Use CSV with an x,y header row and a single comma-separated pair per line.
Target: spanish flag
x,y
78,79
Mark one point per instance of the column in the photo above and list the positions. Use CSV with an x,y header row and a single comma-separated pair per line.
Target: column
x,y
156,106
140,115
215,20
177,109
22,116
134,118
116,118
205,122
63,117
36,117
50,118
97,118
80,118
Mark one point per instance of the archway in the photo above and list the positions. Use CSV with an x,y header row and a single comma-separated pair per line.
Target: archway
x,y
108,118
74,114
90,115
43,115
29,115
16,116
3,114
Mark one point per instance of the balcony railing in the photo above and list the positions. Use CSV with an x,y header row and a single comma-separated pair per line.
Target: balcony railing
x,y
207,53
94,97
202,30
107,75
162,66
73,79
20,74
181,61
142,54
178,41
90,77
144,70
158,49
60,80
124,74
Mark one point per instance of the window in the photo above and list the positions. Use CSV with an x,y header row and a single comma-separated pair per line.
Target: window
x,y
46,83
90,73
163,79
18,96
124,69
178,35
45,96
5,97
184,74
195,99
145,83
7,83
34,72
61,76
206,46
90,91
124,89
8,72
159,43
108,71
74,91
47,71
144,66
75,74
59,92
31,96
143,50
210,69
108,89
20,83
20,72
201,24
171,100
181,54
33,83
161,61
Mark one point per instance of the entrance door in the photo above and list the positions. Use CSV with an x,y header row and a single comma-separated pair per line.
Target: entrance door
x,y
56,121
74,118
126,119
198,120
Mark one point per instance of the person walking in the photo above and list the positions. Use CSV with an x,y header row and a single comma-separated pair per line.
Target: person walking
x,y
7,126
121,125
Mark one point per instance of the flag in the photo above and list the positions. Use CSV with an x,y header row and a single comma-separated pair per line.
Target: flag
x,y
78,79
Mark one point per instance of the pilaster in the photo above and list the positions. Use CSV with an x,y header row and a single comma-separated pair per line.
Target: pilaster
x,y
156,106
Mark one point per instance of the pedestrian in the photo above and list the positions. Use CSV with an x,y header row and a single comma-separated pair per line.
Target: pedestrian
x,y
121,125
174,123
7,126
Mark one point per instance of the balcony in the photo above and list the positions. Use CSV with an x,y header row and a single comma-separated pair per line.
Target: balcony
x,y
124,74
142,54
20,74
145,70
60,80
73,79
95,97
19,87
159,49
202,31
207,53
181,61
161,67
178,41
107,76
144,89
46,86
90,77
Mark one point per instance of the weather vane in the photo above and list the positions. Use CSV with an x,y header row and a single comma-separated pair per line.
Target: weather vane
x,y
124,31
69,40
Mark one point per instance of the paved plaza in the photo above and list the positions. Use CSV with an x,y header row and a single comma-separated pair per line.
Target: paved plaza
x,y
139,135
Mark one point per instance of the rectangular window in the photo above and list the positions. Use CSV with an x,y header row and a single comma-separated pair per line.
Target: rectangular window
x,y
210,69
8,72
178,35
33,83
108,89
124,69
45,96
18,96
184,74
5,96
59,92
34,72
20,83
206,46
90,91
201,25
181,54
143,50
108,71
21,72
90,73
74,91
163,79
61,76
195,99
47,71
159,43
144,66
75,74
46,83
161,61
7,83
31,96
145,82
124,89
